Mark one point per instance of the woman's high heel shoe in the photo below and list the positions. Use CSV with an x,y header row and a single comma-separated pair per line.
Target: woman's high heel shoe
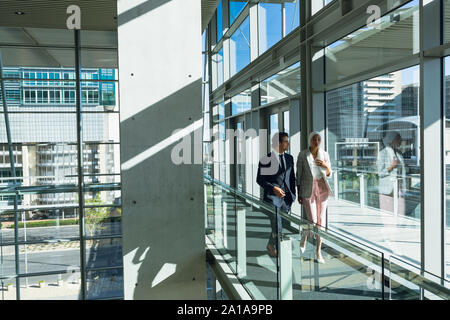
x,y
302,249
320,260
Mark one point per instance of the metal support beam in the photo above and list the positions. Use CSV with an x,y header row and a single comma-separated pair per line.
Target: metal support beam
x,y
13,174
80,163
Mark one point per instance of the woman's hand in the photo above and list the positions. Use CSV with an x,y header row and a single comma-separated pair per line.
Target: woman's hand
x,y
321,164
324,165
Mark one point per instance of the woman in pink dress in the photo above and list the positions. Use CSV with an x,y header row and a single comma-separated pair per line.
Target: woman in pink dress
x,y
313,172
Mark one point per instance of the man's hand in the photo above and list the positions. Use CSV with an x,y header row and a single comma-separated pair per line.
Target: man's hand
x,y
300,200
278,192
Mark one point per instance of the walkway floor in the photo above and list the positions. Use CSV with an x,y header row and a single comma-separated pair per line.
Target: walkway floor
x,y
398,235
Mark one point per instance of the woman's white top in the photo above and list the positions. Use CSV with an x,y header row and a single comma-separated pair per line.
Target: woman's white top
x,y
315,169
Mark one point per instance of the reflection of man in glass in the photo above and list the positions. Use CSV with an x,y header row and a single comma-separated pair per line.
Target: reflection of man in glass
x,y
276,176
391,171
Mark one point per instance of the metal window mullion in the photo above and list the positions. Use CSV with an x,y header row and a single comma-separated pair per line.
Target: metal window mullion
x,y
80,163
13,173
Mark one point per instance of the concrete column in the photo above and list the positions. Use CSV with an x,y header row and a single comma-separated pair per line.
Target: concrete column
x,y
161,91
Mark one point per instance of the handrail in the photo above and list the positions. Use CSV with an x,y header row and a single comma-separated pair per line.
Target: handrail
x,y
359,171
419,279
287,216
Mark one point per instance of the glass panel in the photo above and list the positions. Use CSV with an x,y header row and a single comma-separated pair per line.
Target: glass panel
x,y
101,163
316,5
221,107
224,230
209,210
374,147
369,47
240,47
447,164
239,145
235,9
49,257
220,68
409,282
99,96
221,151
98,38
99,58
49,222
219,21
270,25
65,286
7,262
105,284
101,127
286,122
105,195
281,85
103,253
8,289
102,221
241,102
349,272
273,127
39,128
260,278
38,57
292,19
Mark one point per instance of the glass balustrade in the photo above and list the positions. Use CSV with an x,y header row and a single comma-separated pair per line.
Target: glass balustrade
x,y
241,226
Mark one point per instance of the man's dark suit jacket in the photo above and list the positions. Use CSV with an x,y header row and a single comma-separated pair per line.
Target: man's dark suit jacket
x,y
268,178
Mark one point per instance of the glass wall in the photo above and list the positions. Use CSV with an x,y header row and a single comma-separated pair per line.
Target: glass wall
x,y
236,8
281,85
241,102
40,241
270,25
292,16
240,47
368,48
219,25
365,95
275,19
374,146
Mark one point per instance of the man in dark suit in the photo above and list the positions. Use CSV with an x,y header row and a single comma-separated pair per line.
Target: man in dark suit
x,y
277,177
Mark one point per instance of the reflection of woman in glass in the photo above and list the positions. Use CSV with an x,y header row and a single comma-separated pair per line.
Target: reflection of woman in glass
x,y
391,170
313,170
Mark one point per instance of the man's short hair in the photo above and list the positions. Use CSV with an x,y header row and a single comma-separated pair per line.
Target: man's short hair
x,y
278,138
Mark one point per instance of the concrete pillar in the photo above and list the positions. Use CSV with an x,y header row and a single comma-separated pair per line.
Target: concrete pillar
x,y
160,78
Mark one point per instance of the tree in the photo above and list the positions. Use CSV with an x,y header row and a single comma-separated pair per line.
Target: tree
x,y
94,217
